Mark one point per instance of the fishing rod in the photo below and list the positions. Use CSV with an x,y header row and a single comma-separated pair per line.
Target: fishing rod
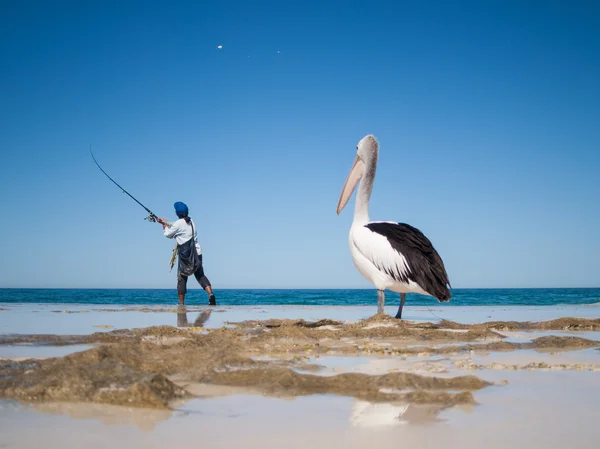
x,y
152,217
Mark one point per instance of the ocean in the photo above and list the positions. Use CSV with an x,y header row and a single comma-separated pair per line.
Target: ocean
x,y
246,297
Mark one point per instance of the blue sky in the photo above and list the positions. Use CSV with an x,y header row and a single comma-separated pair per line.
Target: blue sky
x,y
487,113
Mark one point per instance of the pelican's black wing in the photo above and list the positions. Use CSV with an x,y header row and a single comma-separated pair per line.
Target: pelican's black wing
x,y
425,266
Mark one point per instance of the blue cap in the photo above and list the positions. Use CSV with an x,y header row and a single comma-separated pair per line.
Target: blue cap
x,y
180,209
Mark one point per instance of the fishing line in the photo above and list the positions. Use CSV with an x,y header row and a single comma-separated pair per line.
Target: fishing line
x,y
431,311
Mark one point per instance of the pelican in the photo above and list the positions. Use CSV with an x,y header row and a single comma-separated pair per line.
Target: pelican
x,y
390,255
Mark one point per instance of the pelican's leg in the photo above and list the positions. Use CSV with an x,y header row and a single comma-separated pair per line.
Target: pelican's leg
x,y
402,299
380,300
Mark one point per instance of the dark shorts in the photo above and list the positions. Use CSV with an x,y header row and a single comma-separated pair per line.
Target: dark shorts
x,y
199,275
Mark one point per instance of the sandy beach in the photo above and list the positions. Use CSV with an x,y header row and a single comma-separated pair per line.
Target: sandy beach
x,y
297,376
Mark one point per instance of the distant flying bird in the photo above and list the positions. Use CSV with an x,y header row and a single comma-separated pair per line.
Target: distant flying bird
x,y
393,256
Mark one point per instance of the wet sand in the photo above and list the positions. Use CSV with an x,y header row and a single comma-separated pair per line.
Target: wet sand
x,y
299,376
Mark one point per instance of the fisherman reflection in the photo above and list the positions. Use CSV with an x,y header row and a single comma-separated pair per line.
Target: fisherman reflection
x,y
182,320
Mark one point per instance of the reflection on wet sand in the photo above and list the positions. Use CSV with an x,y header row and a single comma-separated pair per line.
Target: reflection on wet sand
x,y
182,320
144,419
363,414
367,414
379,384
151,367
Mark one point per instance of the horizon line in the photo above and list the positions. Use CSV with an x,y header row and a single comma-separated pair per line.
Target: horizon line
x,y
284,288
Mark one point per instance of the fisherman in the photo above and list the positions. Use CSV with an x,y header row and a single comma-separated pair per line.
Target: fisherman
x,y
188,251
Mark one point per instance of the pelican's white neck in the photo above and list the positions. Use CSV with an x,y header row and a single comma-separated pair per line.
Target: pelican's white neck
x,y
361,206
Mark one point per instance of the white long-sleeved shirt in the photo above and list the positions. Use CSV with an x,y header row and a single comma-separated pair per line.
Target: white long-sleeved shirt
x,y
182,232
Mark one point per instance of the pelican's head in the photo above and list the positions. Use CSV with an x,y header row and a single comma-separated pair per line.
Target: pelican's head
x,y
367,151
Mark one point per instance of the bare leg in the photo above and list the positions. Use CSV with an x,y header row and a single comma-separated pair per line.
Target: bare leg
x,y
402,299
380,300
181,287
205,283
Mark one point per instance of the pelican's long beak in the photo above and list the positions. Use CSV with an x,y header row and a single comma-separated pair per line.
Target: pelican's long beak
x,y
356,172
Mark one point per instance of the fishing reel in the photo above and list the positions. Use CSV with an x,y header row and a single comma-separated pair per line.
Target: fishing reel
x,y
151,218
